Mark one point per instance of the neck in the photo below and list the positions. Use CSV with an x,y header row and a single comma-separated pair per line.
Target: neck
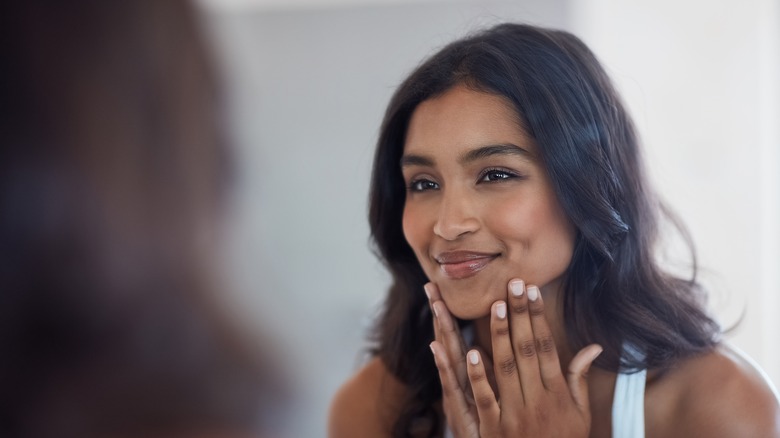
x,y
553,312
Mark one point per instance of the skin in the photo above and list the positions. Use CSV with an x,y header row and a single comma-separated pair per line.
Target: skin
x,y
523,380
500,203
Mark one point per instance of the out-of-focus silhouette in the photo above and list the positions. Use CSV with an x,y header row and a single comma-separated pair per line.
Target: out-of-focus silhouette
x,y
113,166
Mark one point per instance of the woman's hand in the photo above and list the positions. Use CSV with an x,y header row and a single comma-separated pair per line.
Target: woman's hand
x,y
535,399
449,351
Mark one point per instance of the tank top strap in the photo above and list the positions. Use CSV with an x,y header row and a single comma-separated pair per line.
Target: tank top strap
x,y
628,405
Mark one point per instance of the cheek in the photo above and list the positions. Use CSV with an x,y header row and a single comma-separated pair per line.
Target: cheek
x,y
516,220
413,228
539,235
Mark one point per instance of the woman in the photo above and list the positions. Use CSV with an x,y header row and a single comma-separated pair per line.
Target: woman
x,y
113,170
509,188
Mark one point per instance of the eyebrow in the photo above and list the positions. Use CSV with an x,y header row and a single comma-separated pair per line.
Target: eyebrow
x,y
470,156
415,160
494,149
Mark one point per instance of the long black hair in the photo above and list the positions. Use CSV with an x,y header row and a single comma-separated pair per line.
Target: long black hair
x,y
615,293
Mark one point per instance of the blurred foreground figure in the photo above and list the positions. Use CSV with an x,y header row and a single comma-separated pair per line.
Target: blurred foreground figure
x,y
112,170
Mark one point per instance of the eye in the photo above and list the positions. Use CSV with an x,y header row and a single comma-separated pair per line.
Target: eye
x,y
493,175
422,185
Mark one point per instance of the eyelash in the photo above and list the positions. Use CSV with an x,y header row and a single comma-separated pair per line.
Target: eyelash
x,y
495,170
414,185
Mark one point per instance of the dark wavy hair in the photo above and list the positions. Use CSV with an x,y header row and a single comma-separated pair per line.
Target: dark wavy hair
x,y
614,291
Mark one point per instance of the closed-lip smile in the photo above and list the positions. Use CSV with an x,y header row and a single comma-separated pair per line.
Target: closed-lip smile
x,y
458,265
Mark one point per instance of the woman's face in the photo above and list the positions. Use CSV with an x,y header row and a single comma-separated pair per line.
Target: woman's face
x,y
480,209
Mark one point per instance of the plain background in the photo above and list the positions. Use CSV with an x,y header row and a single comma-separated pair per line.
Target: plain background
x,y
308,81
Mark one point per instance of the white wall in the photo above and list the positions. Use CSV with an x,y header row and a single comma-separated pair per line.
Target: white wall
x,y
309,80
701,78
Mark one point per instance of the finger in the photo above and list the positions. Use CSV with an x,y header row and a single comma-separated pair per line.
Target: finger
x,y
504,363
549,364
523,341
448,333
432,290
453,397
487,362
446,330
432,293
451,339
484,397
578,376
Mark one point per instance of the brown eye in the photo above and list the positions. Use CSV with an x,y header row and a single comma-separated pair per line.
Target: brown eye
x,y
493,175
422,185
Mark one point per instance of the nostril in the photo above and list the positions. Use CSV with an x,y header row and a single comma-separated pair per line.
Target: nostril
x,y
455,217
451,230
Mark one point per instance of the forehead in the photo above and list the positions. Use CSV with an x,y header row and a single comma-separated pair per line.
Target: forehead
x,y
461,119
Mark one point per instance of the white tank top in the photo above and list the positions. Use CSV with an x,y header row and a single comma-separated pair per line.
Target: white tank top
x,y
628,405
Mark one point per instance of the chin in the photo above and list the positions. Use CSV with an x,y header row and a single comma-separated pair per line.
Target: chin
x,y
470,313
468,306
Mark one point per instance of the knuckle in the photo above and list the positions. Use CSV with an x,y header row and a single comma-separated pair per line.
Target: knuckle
x,y
511,423
447,386
562,402
519,307
508,366
545,344
477,376
527,348
542,414
484,401
537,310
448,328
449,390
502,330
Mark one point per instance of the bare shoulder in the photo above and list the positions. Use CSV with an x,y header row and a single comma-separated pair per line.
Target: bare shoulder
x,y
367,404
721,394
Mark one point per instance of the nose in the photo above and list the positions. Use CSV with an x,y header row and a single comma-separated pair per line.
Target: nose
x,y
456,216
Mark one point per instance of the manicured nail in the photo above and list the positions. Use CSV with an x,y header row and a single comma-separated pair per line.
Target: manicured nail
x,y
597,353
435,309
427,291
432,350
501,310
516,287
533,293
473,357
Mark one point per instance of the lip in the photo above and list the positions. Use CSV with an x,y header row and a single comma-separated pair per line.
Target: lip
x,y
458,265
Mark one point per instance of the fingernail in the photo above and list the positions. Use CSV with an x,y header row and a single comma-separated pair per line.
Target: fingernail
x,y
431,347
501,310
473,357
533,293
427,291
435,309
597,353
516,287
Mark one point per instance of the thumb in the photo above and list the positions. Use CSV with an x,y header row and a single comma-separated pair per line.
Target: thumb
x,y
578,376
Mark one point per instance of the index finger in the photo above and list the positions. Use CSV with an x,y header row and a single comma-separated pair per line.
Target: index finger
x,y
448,333
454,398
